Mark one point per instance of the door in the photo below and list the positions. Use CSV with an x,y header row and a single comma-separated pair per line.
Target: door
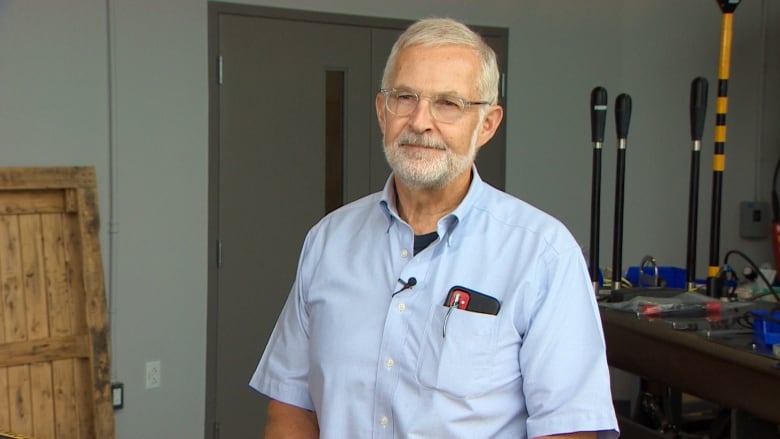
x,y
272,179
292,128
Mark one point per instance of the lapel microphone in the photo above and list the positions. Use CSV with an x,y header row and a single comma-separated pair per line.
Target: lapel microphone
x,y
407,284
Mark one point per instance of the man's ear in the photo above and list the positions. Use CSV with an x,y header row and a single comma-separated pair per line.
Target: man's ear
x,y
490,124
379,102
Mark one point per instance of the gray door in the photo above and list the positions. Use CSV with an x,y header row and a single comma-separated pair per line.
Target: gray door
x,y
272,179
295,100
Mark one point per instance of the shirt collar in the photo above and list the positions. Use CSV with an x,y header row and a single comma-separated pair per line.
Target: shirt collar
x,y
449,221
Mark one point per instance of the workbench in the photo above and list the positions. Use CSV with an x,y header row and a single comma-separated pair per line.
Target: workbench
x,y
728,374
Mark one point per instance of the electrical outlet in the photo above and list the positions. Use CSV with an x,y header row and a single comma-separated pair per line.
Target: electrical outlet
x,y
117,395
153,374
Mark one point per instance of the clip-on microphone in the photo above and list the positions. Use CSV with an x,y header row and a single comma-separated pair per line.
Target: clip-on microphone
x,y
407,284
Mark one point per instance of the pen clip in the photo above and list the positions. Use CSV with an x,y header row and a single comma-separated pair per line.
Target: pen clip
x,y
454,303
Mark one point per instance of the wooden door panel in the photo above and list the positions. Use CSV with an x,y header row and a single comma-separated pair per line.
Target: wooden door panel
x,y
54,352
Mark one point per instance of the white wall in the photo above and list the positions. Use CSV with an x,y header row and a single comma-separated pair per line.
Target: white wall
x,y
139,114
53,82
161,111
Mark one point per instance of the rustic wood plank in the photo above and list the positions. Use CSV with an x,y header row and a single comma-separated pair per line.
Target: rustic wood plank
x,y
32,201
62,311
74,268
59,292
18,178
88,414
37,310
65,403
49,349
83,418
71,200
21,399
10,278
5,405
5,400
33,288
97,314
42,401
15,323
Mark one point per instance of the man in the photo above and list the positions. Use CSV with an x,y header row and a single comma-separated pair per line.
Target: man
x,y
439,307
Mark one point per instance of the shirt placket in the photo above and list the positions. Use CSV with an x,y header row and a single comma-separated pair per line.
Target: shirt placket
x,y
391,361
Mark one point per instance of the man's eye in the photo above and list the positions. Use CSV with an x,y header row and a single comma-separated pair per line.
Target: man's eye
x,y
446,101
406,97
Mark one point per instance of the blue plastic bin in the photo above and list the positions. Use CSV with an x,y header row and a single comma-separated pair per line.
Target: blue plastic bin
x,y
766,328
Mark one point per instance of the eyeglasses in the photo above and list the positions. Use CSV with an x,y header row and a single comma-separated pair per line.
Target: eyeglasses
x,y
446,108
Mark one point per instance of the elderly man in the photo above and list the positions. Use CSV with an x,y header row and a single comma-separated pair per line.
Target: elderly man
x,y
439,307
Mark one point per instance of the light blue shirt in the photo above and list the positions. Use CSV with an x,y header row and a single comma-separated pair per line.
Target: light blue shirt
x,y
374,364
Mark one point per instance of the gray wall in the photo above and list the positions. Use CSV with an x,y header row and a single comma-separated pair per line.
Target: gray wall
x,y
122,85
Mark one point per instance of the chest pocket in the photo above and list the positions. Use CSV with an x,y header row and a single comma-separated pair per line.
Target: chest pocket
x,y
459,364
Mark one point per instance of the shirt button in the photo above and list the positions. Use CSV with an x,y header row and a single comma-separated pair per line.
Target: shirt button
x,y
404,253
389,363
384,421
401,307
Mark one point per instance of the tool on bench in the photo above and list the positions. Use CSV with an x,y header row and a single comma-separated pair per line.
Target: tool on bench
x,y
622,121
598,118
698,111
727,8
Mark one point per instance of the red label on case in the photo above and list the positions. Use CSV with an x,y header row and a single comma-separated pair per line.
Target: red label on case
x,y
459,299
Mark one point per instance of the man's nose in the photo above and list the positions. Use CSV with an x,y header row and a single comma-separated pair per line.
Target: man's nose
x,y
421,119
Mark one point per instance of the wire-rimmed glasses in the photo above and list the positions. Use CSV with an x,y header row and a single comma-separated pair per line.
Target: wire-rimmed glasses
x,y
446,108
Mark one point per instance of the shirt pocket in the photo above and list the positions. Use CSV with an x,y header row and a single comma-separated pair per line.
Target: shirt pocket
x,y
459,363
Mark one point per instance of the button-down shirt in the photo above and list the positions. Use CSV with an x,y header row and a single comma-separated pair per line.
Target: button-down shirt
x,y
373,362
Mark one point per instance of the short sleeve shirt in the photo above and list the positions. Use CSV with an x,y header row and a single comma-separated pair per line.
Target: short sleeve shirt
x,y
374,359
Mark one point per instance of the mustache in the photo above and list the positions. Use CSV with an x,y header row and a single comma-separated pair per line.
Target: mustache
x,y
421,140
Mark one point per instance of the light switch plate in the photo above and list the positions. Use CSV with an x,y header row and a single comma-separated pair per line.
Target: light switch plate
x,y
754,219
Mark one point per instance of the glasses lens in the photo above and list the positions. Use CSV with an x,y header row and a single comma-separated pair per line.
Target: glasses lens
x,y
401,103
447,108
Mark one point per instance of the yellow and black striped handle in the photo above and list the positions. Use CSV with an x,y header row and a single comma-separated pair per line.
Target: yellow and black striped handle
x,y
719,157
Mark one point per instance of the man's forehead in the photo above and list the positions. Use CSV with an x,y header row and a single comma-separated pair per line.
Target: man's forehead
x,y
437,69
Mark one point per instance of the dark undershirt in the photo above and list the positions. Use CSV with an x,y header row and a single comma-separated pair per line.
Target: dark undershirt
x,y
423,241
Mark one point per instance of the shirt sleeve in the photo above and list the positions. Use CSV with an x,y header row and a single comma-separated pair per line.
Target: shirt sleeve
x,y
563,357
283,370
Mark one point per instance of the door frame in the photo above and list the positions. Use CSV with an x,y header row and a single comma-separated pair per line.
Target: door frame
x,y
215,9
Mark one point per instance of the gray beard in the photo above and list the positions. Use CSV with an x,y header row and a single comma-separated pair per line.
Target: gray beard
x,y
417,172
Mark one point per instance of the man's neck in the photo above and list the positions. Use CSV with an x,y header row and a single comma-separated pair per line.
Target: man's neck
x,y
423,208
